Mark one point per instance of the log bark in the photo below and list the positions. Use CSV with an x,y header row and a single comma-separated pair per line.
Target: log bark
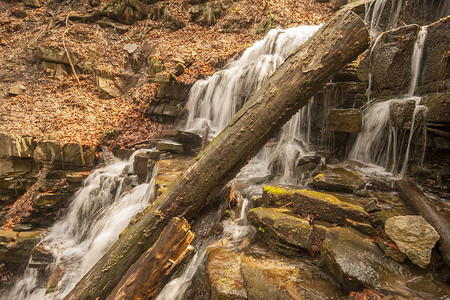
x,y
141,281
304,72
413,196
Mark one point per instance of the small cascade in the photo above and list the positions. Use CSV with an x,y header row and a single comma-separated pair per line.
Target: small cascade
x,y
98,213
374,14
234,231
416,60
380,142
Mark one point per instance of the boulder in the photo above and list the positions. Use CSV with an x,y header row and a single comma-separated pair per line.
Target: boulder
x,y
15,167
401,112
344,120
356,262
284,232
48,151
322,206
338,179
17,89
413,236
124,11
143,165
162,78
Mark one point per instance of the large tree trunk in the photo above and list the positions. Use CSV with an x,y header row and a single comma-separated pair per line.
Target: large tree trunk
x,y
413,196
172,247
308,68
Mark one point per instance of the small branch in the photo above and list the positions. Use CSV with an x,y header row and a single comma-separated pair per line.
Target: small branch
x,y
65,48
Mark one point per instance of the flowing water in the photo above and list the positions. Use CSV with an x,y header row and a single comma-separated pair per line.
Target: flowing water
x,y
380,143
98,213
214,101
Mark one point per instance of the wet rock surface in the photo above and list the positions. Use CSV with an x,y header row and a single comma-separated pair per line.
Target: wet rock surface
x,y
338,179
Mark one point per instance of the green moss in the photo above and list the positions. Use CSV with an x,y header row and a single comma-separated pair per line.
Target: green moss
x,y
270,189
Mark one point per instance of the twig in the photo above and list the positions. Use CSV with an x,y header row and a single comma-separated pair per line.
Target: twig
x,y
65,48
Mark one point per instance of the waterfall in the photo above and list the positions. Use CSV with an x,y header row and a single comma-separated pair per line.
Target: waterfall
x,y
96,216
214,101
374,13
416,60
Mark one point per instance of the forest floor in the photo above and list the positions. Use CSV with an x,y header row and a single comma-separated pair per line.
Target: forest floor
x,y
70,107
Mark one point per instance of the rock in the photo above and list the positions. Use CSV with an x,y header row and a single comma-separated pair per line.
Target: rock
x,y
76,177
344,120
59,56
414,236
154,66
48,151
55,69
284,232
362,227
143,165
22,227
338,179
224,273
16,146
46,200
18,89
32,3
179,69
18,249
190,141
78,156
107,88
401,113
438,107
124,11
356,262
170,146
233,275
20,13
390,249
162,78
435,62
54,279
15,167
203,14
159,13
130,48
391,61
70,155
323,206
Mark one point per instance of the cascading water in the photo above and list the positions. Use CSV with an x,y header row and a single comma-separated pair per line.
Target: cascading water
x,y
98,213
378,142
214,101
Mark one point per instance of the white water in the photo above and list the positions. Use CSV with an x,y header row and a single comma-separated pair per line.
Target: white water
x,y
98,213
416,60
374,12
215,101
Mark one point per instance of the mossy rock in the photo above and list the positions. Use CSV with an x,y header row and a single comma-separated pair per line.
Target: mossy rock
x,y
337,179
284,232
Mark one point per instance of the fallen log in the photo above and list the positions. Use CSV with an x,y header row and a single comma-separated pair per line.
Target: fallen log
x,y
172,247
304,72
414,198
